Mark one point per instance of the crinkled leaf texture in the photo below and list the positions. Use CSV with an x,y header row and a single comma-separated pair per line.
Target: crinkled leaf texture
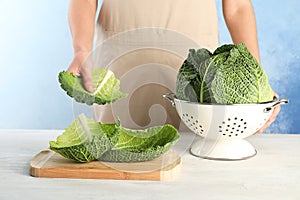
x,y
230,75
141,145
86,140
106,87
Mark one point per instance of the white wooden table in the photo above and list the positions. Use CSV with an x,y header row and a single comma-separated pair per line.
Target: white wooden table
x,y
274,173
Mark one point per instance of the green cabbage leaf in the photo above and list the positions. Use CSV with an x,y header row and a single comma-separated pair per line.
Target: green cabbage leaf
x,y
106,87
86,140
141,145
229,75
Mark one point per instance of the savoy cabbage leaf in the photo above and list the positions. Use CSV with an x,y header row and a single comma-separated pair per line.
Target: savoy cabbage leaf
x,y
106,87
141,145
86,140
229,75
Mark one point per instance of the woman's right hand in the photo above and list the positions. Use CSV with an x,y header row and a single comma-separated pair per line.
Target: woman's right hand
x,y
82,25
82,66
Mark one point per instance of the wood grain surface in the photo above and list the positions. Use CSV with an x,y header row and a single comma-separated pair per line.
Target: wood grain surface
x,y
52,165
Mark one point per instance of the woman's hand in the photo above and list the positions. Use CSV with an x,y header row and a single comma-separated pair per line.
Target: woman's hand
x,y
81,19
81,66
275,112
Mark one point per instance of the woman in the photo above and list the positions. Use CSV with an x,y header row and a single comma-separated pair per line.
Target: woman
x,y
196,19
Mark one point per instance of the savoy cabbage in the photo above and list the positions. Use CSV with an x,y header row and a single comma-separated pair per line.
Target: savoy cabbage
x,y
229,75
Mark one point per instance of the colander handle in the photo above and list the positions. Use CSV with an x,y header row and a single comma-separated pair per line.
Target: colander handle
x,y
277,103
170,97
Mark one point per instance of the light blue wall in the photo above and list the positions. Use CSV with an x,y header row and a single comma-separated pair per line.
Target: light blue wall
x,y
35,44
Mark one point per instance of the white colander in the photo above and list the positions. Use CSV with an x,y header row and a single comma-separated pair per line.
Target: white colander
x,y
223,127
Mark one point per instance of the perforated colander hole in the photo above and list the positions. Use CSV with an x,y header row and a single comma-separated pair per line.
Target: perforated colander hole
x,y
199,131
185,115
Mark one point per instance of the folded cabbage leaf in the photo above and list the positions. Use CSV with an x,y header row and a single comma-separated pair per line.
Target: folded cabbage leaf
x,y
141,145
84,140
106,87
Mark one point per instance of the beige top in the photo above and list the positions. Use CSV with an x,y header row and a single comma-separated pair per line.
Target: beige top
x,y
196,19
144,42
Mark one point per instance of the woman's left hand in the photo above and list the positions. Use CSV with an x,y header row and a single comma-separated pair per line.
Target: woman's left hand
x,y
275,112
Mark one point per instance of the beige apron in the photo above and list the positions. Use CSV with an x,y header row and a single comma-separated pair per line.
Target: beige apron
x,y
144,42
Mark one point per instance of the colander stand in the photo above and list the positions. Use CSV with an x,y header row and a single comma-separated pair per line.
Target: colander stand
x,y
222,149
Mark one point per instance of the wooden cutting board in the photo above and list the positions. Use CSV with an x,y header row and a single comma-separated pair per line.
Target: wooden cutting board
x,y
52,165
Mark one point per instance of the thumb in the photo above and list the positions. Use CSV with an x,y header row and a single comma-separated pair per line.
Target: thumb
x,y
86,74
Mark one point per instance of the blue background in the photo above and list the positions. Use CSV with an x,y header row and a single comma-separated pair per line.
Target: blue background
x,y
35,45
